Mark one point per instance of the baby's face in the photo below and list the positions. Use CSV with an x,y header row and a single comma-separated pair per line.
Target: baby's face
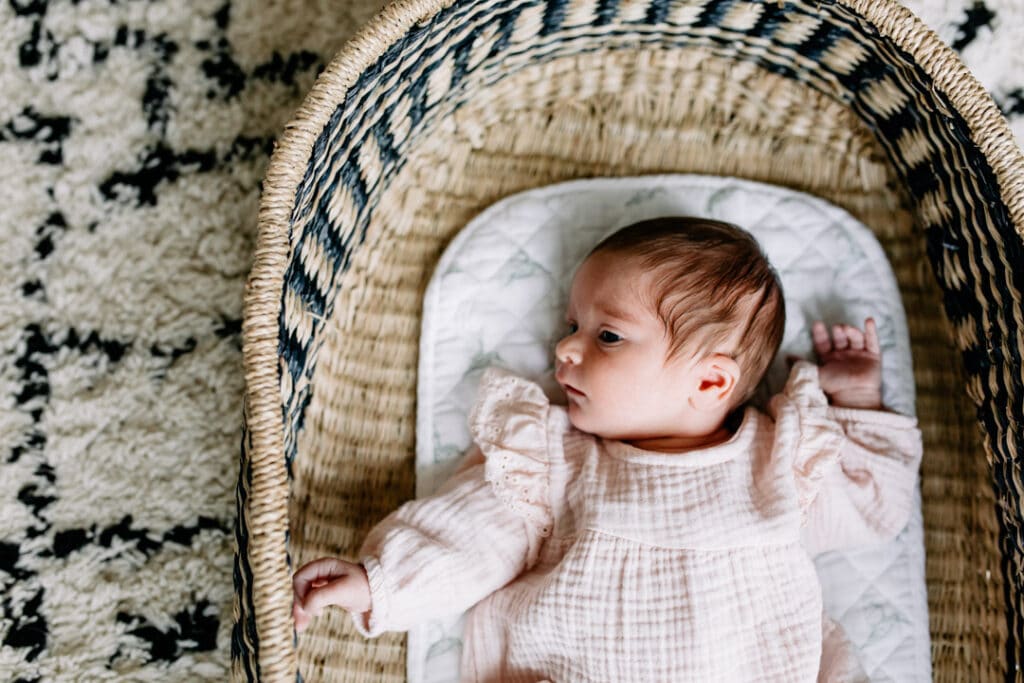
x,y
613,363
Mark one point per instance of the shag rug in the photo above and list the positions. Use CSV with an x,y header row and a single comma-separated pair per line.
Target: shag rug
x,y
133,137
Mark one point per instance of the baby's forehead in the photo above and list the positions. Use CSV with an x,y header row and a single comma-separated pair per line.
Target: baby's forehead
x,y
602,275
626,292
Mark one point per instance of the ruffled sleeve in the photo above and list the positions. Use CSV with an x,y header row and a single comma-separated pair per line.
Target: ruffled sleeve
x,y
804,430
444,553
854,470
509,424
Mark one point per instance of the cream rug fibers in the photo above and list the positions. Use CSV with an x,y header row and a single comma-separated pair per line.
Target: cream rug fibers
x,y
133,136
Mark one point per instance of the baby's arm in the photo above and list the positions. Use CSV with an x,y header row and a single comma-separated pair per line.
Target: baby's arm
x,y
433,556
866,495
329,581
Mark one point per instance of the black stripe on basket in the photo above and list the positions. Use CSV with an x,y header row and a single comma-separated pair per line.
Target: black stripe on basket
x,y
418,95
711,17
921,178
462,51
293,350
341,160
337,246
368,85
385,142
606,12
865,72
821,40
554,15
773,15
506,25
959,300
296,279
656,13
352,177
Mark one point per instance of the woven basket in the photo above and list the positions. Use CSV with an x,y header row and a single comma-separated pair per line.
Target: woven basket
x,y
437,109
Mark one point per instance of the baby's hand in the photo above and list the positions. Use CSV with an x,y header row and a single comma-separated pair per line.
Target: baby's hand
x,y
328,581
851,364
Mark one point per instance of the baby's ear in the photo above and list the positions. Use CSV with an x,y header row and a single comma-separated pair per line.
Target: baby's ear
x,y
718,377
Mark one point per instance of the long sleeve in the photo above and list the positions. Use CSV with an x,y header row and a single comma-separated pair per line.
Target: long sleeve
x,y
441,555
867,496
855,469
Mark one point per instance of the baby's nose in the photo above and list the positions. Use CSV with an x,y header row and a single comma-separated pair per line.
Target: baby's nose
x,y
568,350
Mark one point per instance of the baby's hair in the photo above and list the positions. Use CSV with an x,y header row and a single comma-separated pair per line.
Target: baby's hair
x,y
710,279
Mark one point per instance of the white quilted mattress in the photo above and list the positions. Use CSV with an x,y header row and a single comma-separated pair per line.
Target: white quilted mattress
x,y
497,298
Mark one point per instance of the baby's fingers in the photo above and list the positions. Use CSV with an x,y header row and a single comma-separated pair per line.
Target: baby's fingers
x,y
839,338
855,337
317,573
348,592
300,616
871,336
819,336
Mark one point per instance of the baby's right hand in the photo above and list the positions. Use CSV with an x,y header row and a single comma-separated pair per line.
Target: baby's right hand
x,y
329,581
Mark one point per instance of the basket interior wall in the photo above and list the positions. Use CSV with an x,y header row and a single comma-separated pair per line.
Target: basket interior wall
x,y
636,112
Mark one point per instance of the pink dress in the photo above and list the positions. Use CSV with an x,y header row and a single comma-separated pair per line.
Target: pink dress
x,y
591,560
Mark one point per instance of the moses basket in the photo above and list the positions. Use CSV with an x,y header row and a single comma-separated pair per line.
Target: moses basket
x,y
437,109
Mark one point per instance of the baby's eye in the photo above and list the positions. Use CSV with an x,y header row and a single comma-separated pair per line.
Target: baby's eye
x,y
573,328
609,337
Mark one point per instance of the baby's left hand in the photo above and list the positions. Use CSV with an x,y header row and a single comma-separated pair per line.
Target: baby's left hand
x,y
850,369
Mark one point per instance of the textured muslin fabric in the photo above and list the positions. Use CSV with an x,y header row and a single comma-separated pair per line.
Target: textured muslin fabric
x,y
592,560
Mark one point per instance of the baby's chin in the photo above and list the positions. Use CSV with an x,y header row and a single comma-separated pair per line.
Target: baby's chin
x,y
579,419
585,421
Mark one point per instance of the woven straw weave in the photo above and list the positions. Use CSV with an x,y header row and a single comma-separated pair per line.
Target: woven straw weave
x,y
438,109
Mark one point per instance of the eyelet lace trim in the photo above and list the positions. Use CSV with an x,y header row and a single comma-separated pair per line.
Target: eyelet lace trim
x,y
522,488
509,424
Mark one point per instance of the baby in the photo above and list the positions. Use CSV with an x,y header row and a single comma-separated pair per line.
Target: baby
x,y
657,527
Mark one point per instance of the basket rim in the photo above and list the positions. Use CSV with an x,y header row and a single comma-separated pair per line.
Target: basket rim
x,y
268,512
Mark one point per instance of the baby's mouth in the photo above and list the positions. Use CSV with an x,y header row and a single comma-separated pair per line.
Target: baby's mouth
x,y
572,391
